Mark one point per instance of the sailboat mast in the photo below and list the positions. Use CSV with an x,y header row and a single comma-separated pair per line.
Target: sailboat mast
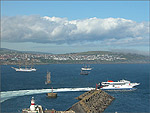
x,y
48,77
31,63
19,64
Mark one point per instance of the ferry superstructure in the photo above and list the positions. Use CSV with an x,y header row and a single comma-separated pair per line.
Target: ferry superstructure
x,y
119,85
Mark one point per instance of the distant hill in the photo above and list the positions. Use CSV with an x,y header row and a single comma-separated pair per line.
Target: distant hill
x,y
129,55
94,52
8,56
4,50
7,51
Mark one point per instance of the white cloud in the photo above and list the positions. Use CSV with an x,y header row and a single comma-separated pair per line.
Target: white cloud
x,y
60,30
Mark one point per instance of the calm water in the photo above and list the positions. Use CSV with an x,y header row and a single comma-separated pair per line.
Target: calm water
x,y
18,87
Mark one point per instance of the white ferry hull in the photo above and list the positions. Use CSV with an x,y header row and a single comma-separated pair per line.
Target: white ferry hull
x,y
118,89
118,86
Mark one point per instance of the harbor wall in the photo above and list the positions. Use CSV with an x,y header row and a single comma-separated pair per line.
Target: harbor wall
x,y
94,101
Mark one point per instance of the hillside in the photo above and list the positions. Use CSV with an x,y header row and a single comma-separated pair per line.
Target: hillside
x,y
96,57
8,51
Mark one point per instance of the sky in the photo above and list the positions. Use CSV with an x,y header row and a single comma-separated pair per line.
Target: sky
x,y
75,26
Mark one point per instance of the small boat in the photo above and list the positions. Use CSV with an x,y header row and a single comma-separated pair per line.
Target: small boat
x,y
86,68
48,78
119,85
52,95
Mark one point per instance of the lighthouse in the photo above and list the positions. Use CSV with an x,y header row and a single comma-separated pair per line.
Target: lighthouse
x,y
32,106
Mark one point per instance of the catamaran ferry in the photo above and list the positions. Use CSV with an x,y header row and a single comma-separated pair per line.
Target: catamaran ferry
x,y
120,85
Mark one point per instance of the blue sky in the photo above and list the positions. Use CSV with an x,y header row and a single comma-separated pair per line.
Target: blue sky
x,y
79,11
134,10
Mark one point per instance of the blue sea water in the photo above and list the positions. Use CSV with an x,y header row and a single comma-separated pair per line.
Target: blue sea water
x,y
17,88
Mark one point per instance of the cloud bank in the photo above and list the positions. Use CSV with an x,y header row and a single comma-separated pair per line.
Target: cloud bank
x,y
60,30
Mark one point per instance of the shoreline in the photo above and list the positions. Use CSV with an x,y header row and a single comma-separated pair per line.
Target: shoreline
x,y
81,63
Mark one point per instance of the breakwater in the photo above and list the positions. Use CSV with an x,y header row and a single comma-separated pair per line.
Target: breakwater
x,y
94,101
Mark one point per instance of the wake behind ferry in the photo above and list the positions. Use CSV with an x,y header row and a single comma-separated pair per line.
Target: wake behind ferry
x,y
120,85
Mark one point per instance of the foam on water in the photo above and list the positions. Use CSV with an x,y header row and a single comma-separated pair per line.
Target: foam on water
x,y
11,94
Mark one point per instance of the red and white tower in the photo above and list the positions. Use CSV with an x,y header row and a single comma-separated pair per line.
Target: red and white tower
x,y
32,106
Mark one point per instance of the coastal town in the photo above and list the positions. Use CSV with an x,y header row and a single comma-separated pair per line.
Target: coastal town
x,y
13,57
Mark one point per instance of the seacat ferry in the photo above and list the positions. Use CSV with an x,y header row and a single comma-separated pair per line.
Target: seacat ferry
x,y
120,85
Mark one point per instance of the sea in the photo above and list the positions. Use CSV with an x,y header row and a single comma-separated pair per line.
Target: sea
x,y
17,88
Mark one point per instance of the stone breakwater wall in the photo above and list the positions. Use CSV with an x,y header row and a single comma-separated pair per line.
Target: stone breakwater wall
x,y
94,101
54,111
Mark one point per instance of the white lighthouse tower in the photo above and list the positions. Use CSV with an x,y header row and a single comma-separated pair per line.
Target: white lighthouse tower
x,y
32,106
